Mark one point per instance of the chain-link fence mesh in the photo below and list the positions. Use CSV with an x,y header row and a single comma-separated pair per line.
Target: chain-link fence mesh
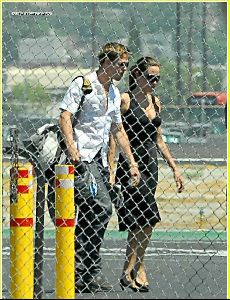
x,y
45,46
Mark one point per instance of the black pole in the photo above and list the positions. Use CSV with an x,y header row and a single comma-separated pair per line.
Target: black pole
x,y
39,233
40,219
178,51
190,31
93,32
223,7
205,49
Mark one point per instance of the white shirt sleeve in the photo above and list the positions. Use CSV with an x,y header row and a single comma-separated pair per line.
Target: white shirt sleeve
x,y
117,109
73,96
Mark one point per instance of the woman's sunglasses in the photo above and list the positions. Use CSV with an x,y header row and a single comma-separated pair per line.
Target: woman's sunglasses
x,y
151,77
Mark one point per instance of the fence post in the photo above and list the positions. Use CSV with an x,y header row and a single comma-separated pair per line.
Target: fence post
x,y
65,215
21,235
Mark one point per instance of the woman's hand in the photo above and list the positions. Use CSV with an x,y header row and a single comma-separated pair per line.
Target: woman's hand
x,y
179,180
135,174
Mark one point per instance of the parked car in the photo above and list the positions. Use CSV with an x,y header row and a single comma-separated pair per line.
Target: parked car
x,y
207,98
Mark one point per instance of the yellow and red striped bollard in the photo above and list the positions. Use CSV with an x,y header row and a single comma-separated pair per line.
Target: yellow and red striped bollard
x,y
21,235
65,219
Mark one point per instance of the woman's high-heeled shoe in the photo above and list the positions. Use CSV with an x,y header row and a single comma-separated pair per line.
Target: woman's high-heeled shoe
x,y
125,283
142,288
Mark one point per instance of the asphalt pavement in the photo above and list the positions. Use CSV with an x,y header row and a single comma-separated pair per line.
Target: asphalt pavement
x,y
177,269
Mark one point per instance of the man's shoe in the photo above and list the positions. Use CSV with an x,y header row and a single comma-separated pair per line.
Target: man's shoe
x,y
84,289
81,287
99,284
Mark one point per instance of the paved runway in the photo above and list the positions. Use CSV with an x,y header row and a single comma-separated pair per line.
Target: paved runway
x,y
180,269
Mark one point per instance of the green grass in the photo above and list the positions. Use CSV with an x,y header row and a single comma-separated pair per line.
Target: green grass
x,y
175,235
202,235
194,174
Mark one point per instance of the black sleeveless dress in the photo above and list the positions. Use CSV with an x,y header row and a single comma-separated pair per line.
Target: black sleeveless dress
x,y
139,208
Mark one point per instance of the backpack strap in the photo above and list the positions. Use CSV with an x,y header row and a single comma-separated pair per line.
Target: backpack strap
x,y
86,86
77,114
86,89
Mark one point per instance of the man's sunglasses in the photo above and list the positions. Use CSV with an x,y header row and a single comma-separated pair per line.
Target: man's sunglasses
x,y
122,64
151,77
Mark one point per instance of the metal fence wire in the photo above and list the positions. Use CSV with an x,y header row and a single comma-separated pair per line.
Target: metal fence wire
x,y
45,46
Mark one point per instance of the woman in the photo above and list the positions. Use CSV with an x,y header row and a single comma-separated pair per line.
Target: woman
x,y
139,212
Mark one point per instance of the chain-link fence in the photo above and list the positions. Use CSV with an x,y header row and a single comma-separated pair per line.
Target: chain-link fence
x,y
47,45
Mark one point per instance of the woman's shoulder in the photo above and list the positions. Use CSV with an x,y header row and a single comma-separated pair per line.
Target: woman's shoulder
x,y
125,102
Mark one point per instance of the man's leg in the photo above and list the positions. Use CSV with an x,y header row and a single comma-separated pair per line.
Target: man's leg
x,y
88,239
93,218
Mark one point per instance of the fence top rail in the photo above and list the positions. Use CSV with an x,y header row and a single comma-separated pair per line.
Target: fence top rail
x,y
211,161
179,106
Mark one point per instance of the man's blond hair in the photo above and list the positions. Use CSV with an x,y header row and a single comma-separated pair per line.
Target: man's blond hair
x,y
112,51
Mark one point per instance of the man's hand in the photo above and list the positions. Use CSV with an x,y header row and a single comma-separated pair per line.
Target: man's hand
x,y
112,179
73,153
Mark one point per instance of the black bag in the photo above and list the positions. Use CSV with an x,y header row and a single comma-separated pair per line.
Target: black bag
x,y
115,194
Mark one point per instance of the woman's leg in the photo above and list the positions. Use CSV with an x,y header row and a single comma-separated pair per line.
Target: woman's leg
x,y
138,241
141,275
143,237
130,258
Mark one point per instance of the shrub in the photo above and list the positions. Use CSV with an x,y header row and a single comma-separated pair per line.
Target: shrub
x,y
30,92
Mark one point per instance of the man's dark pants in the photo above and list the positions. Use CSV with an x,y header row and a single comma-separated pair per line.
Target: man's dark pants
x,y
93,214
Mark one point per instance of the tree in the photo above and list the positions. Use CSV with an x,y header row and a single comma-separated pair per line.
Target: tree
x,y
30,92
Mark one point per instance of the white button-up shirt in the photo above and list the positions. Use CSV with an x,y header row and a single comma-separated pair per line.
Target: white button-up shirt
x,y
95,119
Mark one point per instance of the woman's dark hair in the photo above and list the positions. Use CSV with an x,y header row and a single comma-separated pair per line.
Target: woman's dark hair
x,y
141,66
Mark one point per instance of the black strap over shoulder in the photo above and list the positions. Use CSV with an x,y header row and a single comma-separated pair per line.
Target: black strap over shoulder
x,y
154,103
77,114
86,87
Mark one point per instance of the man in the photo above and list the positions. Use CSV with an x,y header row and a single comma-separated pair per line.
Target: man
x,y
87,145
